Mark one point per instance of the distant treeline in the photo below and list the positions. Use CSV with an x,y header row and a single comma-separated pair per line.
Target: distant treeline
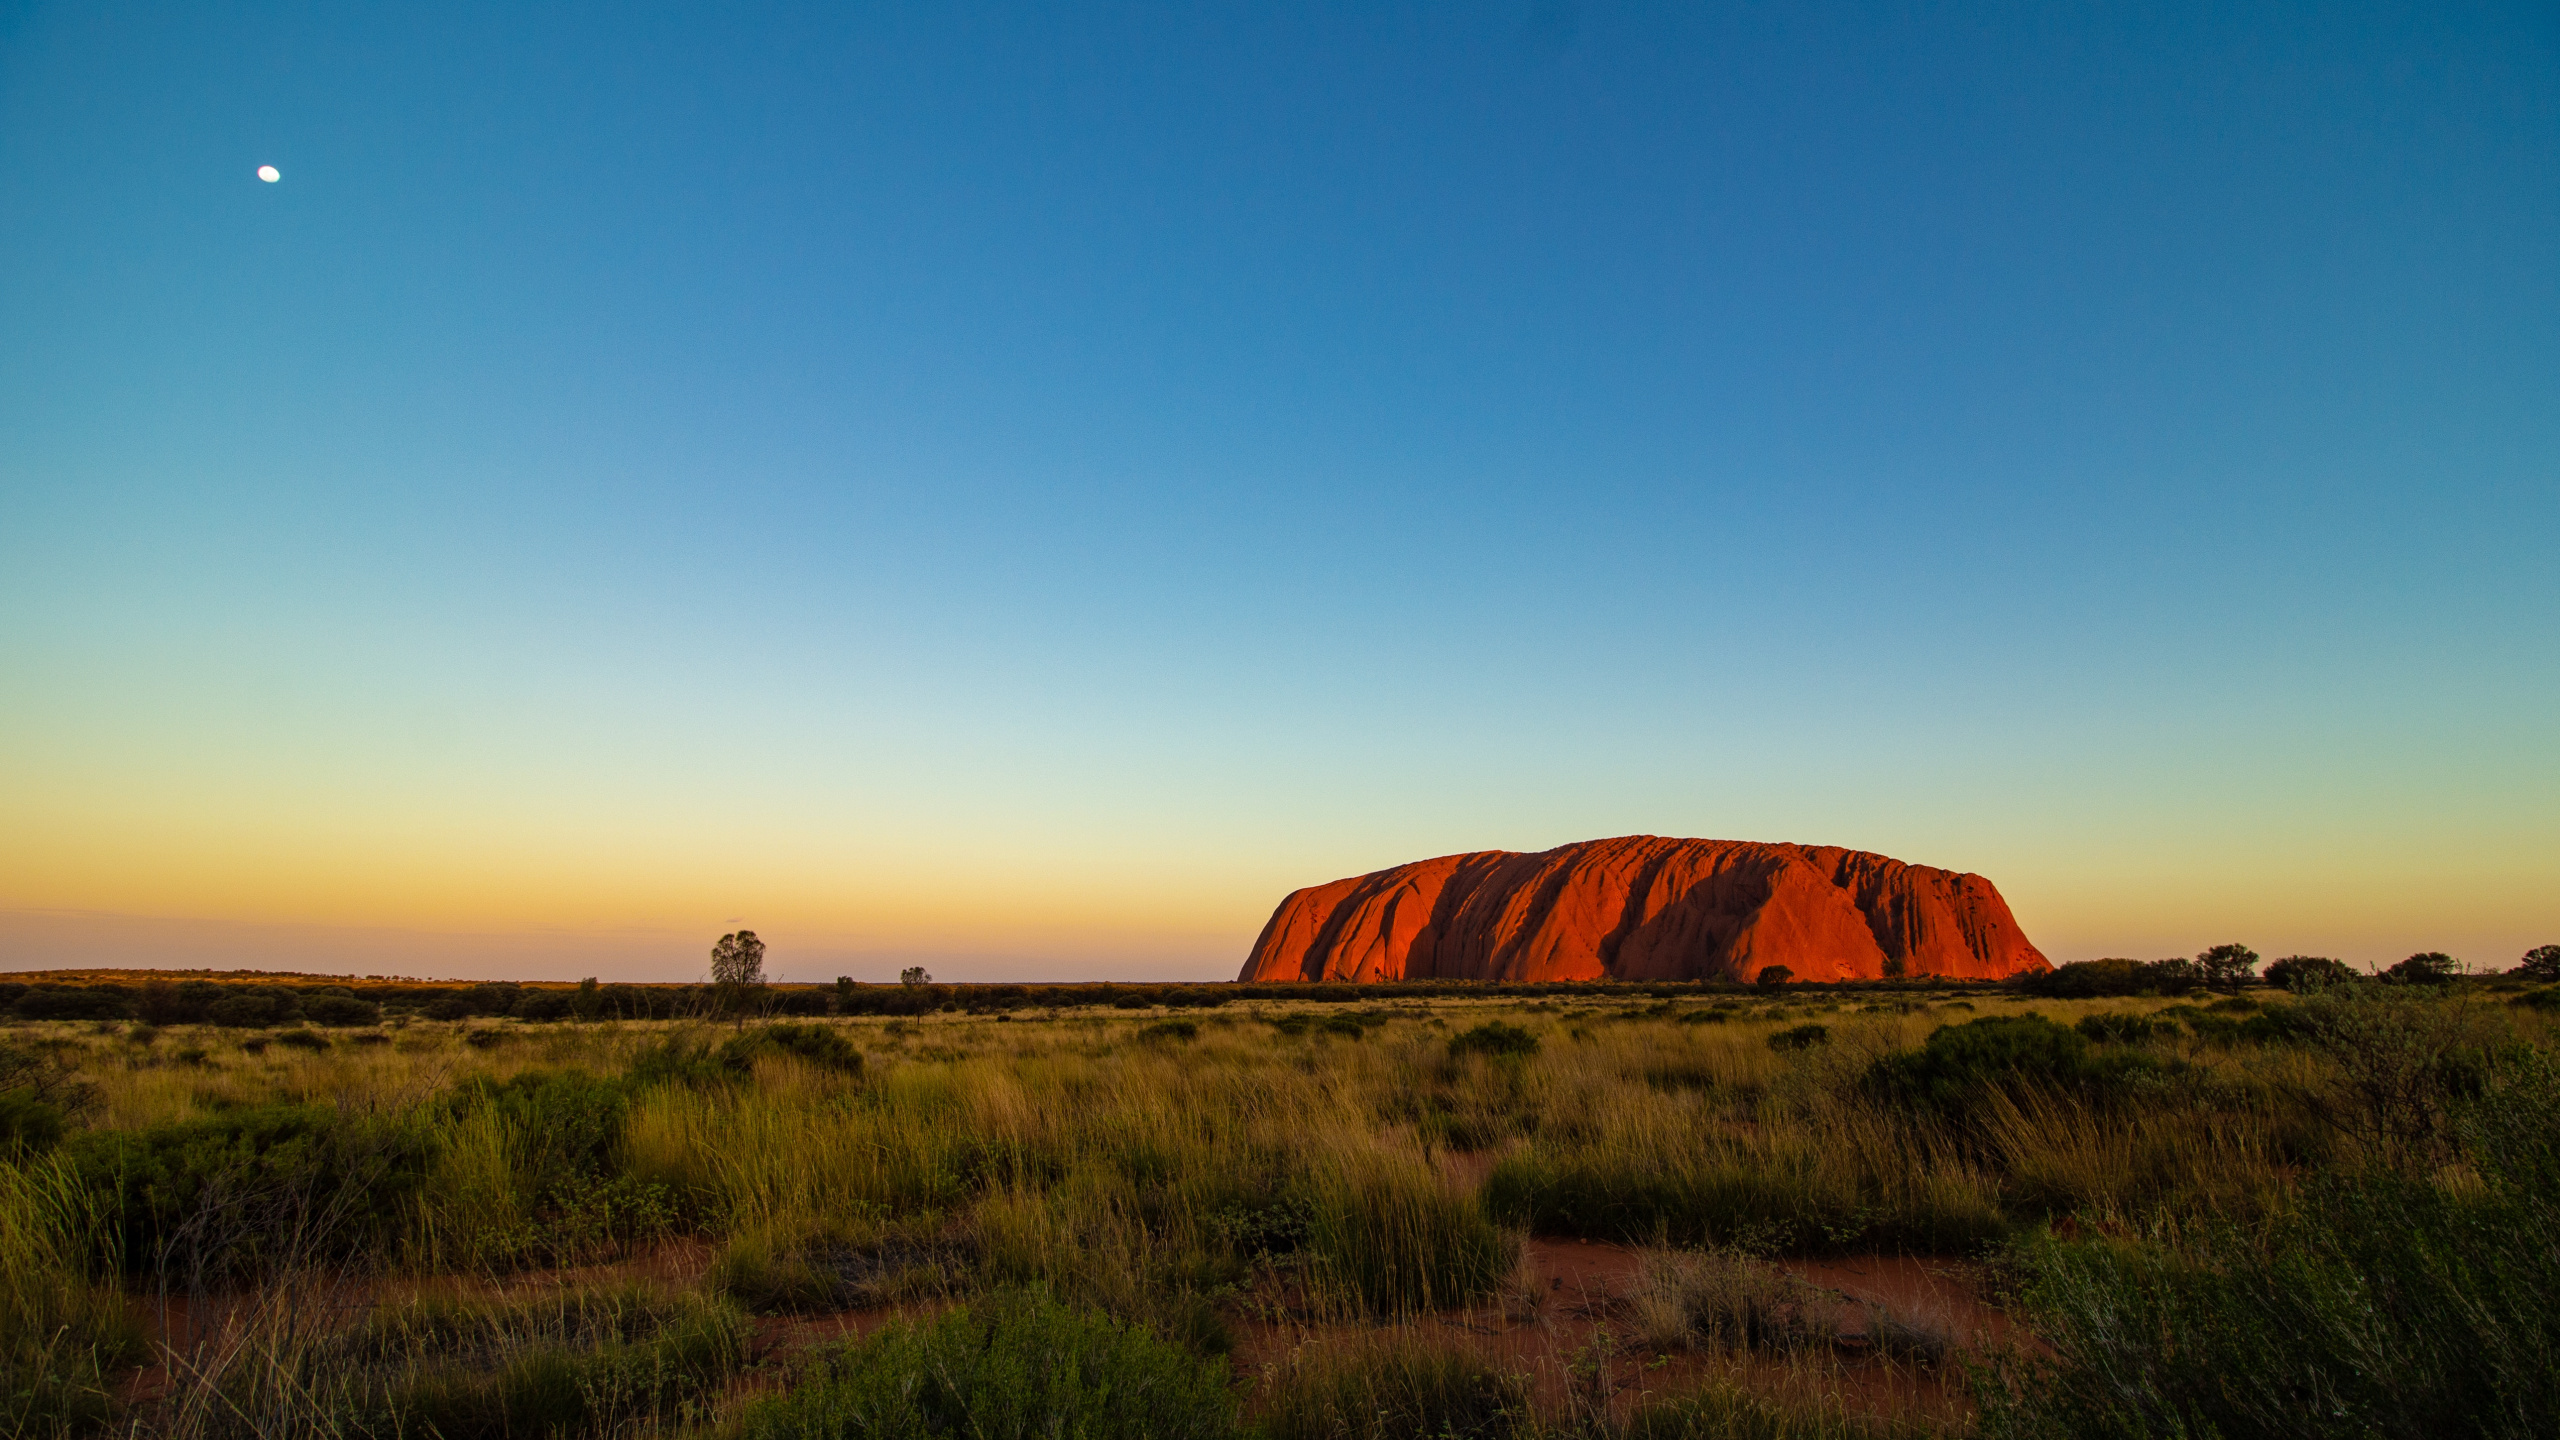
x,y
260,1001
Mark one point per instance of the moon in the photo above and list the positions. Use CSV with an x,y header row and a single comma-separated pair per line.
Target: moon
x,y
270,174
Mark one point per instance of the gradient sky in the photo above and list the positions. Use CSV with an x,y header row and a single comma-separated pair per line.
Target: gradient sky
x,y
1022,488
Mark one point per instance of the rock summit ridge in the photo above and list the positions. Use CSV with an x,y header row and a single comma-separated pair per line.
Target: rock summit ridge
x,y
1645,907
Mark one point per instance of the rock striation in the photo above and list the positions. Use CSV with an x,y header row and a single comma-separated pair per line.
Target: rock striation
x,y
1643,907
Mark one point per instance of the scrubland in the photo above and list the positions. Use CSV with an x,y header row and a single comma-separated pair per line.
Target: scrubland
x,y
1805,1214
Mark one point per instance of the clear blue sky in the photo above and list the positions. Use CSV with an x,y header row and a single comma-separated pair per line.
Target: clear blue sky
x,y
1023,488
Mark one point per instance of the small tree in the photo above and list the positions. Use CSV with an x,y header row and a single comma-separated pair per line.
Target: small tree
x,y
2542,962
914,975
589,1001
1773,977
2226,967
844,994
737,971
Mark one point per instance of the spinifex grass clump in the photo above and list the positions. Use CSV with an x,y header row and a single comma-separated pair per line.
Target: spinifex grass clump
x,y
2391,1303
1019,1367
578,1363
1720,1300
1389,1237
1497,1039
531,1171
64,1330
1727,1412
1396,1385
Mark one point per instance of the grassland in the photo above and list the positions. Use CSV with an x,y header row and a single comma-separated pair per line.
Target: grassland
x,y
1604,1214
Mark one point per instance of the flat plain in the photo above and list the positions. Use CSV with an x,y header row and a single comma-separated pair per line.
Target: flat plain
x,y
1813,1211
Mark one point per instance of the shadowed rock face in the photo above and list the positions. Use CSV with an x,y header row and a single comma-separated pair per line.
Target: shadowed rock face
x,y
1646,908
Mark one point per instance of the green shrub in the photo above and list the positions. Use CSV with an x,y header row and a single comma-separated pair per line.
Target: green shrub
x,y
303,1040
1013,1368
821,1274
2380,1305
28,1126
687,1060
65,1332
1394,1386
577,1385
1169,1032
254,1007
1801,1037
1953,1068
237,1194
1736,1202
72,1002
2309,972
2123,1028
2429,967
1496,1039
340,1011
564,1133
821,1045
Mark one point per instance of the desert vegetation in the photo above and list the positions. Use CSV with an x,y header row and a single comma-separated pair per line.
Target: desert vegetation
x,y
2135,1201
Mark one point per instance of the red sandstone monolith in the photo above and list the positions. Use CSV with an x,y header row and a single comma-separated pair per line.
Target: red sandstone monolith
x,y
1643,907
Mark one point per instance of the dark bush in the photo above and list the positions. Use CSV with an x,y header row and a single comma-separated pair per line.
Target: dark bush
x,y
254,1007
2376,1305
568,1123
679,1060
2429,967
1773,977
820,1045
1496,1039
28,1126
303,1040
2122,1027
2108,979
1169,1031
2542,962
218,1199
1958,1062
2226,967
486,1039
566,1130
72,1002
2309,972
1802,1037
46,1078
1006,1369
541,1006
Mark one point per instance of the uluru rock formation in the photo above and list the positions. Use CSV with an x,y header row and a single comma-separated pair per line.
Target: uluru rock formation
x,y
1643,907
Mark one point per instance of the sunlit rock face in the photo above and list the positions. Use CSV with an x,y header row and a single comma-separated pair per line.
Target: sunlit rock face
x,y
1643,907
